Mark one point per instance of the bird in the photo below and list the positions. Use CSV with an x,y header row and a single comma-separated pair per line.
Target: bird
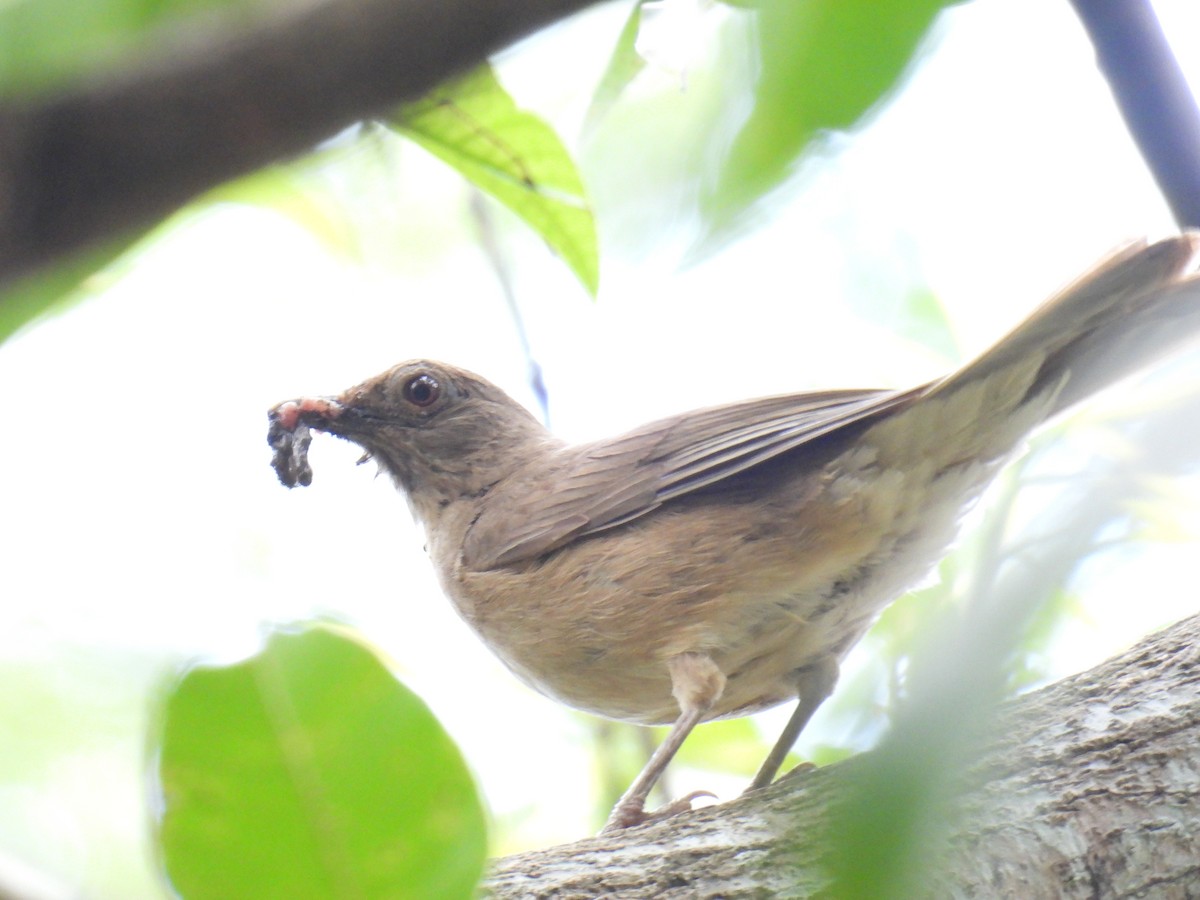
x,y
723,561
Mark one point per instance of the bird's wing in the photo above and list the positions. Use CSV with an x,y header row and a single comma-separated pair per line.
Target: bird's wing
x,y
606,483
1116,319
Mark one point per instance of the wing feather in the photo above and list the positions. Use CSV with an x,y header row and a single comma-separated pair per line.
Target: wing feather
x,y
590,487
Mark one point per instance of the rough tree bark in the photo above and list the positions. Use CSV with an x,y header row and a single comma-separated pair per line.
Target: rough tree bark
x,y
1087,788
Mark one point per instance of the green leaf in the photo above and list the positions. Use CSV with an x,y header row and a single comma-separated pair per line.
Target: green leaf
x,y
309,771
823,65
473,125
623,66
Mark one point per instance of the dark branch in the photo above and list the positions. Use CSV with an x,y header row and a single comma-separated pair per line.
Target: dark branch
x,y
1152,94
109,158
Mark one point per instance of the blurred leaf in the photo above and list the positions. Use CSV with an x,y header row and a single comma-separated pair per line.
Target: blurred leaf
x,y
309,771
284,190
619,751
902,798
731,745
47,42
925,321
685,107
473,125
823,65
885,829
1157,516
900,803
623,66
1030,660
825,755
54,288
73,713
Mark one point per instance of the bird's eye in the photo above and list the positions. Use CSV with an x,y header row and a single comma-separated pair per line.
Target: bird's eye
x,y
422,390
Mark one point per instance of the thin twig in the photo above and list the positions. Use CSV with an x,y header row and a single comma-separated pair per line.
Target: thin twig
x,y
490,241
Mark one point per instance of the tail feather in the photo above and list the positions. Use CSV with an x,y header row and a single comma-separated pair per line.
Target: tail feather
x,y
1138,305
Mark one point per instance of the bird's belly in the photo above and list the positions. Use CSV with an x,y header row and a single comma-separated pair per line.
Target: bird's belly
x,y
593,626
608,655
592,668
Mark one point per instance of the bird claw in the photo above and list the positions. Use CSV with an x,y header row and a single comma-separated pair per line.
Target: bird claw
x,y
628,816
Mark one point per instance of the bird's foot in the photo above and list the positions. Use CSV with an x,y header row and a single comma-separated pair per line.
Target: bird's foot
x,y
627,815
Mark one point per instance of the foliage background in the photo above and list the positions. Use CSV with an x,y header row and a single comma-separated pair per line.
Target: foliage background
x,y
143,527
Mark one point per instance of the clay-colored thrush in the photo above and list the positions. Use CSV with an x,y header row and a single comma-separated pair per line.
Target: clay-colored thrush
x,y
722,561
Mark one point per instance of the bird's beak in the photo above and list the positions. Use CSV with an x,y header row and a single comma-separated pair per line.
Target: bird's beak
x,y
315,412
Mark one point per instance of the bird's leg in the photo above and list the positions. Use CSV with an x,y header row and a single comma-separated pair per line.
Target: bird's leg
x,y
814,684
696,683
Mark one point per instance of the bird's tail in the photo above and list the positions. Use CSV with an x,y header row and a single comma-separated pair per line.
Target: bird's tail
x,y
1136,306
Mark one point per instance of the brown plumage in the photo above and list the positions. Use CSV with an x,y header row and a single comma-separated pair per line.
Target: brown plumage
x,y
722,561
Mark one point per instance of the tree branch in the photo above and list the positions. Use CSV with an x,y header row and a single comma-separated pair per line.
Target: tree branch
x,y
1152,94
108,158
1089,787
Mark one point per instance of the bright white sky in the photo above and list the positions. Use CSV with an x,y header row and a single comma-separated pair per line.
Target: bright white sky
x,y
142,519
